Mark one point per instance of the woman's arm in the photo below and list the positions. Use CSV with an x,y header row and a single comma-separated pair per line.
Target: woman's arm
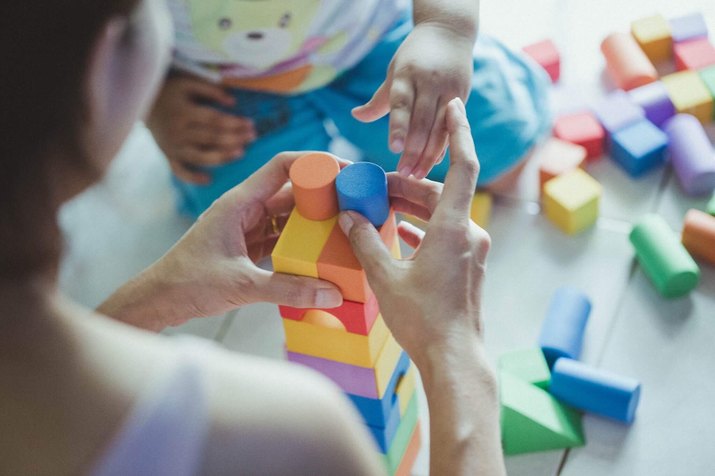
x,y
432,304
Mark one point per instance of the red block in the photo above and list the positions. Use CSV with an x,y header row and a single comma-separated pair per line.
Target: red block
x,y
357,317
582,129
694,55
545,53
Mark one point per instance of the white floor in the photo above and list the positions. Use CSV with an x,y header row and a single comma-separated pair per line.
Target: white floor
x,y
123,224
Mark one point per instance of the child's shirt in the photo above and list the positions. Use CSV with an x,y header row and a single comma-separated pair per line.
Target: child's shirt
x,y
282,46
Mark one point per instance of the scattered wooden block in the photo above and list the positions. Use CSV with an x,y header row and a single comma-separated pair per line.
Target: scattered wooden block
x,y
527,365
689,95
699,235
653,98
300,244
626,63
582,129
711,205
481,211
571,201
691,154
557,157
547,55
694,55
639,147
688,27
707,76
653,35
564,326
663,258
532,420
616,112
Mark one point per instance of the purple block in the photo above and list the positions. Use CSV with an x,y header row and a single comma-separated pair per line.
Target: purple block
x,y
688,27
691,154
617,111
653,98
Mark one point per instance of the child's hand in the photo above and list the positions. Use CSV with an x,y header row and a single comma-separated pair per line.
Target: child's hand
x,y
193,134
432,66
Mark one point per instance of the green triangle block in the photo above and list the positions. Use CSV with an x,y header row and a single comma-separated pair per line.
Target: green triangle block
x,y
533,420
711,205
528,365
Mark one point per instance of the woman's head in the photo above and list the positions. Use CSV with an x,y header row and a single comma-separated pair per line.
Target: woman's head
x,y
77,75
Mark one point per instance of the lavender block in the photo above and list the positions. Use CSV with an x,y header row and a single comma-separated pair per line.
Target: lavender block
x,y
617,111
688,27
639,147
691,154
653,98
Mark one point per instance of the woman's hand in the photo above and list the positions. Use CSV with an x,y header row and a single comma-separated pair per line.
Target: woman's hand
x,y
194,134
433,65
212,268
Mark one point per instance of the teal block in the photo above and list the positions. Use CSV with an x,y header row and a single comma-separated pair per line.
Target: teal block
x,y
527,365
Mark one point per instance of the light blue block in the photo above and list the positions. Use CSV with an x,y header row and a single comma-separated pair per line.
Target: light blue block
x,y
639,147
376,411
563,328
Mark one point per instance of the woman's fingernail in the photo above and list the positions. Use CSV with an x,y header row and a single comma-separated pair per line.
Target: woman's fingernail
x,y
397,145
346,223
328,298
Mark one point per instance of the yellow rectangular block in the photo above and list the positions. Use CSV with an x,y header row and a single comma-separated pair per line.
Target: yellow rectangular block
x,y
406,389
395,251
654,37
571,201
689,94
386,363
300,244
335,343
481,211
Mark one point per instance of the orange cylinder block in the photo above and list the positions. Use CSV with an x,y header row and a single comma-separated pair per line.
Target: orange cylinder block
x,y
313,176
626,63
699,235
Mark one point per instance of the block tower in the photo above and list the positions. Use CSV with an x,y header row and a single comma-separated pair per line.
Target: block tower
x,y
349,344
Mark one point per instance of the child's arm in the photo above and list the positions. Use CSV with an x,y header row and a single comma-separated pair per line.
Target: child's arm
x,y
432,66
193,134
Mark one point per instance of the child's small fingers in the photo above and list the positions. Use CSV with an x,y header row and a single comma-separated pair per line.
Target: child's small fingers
x,y
410,234
212,92
377,106
189,174
204,116
401,103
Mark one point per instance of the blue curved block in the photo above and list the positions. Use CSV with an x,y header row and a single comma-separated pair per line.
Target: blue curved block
x,y
376,412
362,187
563,328
594,390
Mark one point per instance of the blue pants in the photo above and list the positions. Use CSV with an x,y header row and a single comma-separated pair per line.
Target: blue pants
x,y
507,109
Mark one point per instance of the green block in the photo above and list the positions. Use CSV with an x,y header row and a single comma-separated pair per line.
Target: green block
x,y
711,205
533,420
528,365
402,438
708,77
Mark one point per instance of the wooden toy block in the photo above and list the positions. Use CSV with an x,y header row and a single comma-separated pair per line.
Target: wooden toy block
x,y
384,435
406,387
595,391
653,35
362,187
639,147
694,55
711,205
556,157
699,235
376,412
313,177
626,63
547,56
357,317
707,76
571,201
368,382
563,328
527,365
691,154
663,258
532,420
481,211
317,340
582,129
689,95
688,27
299,246
405,431
338,264
396,251
411,453
617,111
653,98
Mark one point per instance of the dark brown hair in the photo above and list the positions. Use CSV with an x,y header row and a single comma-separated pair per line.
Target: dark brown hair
x,y
45,49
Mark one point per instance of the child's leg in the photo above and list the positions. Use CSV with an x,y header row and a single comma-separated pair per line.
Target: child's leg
x,y
282,123
508,106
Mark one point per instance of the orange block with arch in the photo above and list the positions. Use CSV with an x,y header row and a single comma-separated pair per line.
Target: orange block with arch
x,y
356,317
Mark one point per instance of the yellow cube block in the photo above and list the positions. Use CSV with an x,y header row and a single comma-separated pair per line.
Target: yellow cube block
x,y
689,94
654,37
300,244
318,339
481,211
386,362
571,201
406,389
